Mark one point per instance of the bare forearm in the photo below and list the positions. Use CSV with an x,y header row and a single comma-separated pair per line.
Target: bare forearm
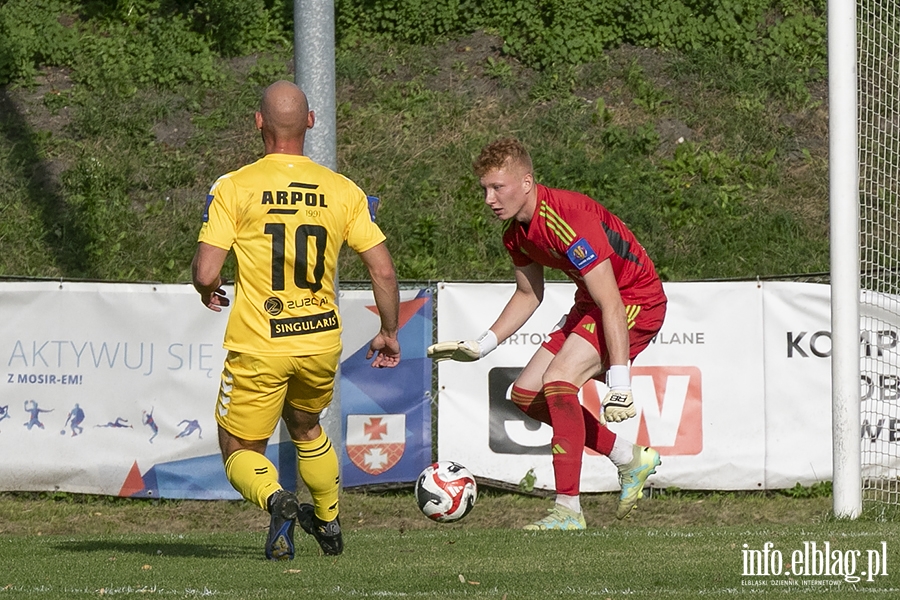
x,y
516,312
205,269
615,331
604,290
524,301
384,287
205,284
387,300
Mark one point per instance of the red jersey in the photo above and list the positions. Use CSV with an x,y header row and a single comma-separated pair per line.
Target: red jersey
x,y
573,233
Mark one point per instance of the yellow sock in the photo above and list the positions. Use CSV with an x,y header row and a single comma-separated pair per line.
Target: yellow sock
x,y
317,464
253,475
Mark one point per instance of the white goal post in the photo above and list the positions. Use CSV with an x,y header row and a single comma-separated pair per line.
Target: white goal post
x,y
864,178
843,200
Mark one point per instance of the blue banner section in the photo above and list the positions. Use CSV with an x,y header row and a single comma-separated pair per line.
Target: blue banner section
x,y
203,478
387,412
386,415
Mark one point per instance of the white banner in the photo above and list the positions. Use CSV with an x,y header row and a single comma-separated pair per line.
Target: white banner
x,y
722,392
797,363
110,389
100,378
880,373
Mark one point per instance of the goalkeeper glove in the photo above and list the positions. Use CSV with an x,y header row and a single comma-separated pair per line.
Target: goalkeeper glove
x,y
618,404
465,350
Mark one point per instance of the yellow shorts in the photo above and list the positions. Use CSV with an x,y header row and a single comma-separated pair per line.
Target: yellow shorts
x,y
254,390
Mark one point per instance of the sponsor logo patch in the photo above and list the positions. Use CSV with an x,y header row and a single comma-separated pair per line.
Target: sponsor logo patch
x,y
303,325
581,254
273,306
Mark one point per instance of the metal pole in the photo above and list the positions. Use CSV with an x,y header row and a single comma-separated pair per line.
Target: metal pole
x,y
314,74
844,204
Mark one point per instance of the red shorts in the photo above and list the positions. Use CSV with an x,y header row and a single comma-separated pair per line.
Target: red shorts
x,y
585,321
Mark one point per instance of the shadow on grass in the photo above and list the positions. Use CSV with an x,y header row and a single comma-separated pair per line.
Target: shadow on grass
x,y
63,234
154,549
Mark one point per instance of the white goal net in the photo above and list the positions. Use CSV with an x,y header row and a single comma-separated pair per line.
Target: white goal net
x,y
878,63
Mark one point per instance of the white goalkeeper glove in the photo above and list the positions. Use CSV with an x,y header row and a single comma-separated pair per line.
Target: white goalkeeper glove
x,y
618,404
465,350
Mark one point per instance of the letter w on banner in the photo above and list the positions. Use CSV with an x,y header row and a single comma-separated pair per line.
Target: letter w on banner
x,y
670,416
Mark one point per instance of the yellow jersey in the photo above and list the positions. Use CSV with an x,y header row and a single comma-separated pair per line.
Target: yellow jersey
x,y
286,218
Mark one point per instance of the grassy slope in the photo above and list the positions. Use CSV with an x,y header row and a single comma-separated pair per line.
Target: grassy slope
x,y
719,174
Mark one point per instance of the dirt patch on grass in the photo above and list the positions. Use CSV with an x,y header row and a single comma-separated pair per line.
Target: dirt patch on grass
x,y
44,106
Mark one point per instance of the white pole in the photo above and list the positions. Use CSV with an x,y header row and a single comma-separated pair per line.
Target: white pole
x,y
844,203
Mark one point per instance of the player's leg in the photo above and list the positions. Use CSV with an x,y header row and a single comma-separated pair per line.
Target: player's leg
x,y
529,395
634,463
309,393
526,389
534,404
249,405
575,362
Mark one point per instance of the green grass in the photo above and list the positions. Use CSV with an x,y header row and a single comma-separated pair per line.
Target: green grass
x,y
441,562
677,545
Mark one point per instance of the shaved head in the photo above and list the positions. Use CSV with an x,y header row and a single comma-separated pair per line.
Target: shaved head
x,y
284,109
283,118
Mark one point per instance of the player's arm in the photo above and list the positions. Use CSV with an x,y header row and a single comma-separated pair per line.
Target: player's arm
x,y
528,296
604,290
387,299
205,273
525,299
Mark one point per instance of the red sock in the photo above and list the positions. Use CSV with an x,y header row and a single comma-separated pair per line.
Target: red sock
x,y
534,404
568,435
596,436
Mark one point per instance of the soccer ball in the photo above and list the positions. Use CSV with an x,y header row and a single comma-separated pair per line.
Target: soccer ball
x,y
446,491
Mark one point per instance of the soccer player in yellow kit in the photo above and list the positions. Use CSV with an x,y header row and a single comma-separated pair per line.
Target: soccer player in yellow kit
x,y
286,218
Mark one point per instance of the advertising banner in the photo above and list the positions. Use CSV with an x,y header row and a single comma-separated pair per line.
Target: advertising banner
x,y
718,392
880,387
797,363
110,389
387,412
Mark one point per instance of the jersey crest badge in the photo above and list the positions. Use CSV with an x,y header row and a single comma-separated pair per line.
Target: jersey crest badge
x,y
209,199
581,254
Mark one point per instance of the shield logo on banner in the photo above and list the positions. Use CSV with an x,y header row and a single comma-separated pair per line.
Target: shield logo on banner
x,y
375,443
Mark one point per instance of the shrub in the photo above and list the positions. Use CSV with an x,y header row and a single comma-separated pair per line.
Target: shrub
x,y
34,32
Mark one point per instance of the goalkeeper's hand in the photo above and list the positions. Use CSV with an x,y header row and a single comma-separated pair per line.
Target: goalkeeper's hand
x,y
618,404
465,350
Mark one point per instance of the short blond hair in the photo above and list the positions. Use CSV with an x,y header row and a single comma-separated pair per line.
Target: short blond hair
x,y
502,154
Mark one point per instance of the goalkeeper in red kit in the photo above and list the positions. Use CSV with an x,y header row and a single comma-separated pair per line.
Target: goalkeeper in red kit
x,y
619,307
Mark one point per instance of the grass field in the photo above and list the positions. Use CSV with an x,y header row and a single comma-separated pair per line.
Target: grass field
x,y
679,545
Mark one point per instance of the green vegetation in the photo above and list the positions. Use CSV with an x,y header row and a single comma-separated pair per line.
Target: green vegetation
x,y
116,117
